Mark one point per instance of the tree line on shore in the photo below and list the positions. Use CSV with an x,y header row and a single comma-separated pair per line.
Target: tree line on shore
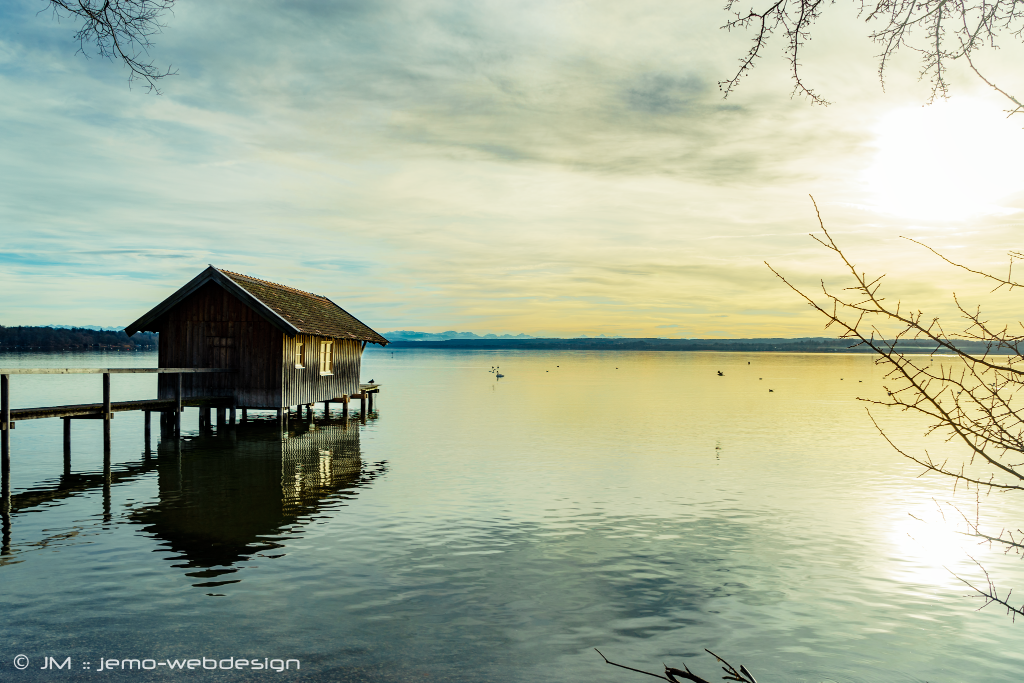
x,y
59,338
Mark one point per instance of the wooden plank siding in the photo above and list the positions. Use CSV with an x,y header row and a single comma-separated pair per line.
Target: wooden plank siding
x,y
211,328
308,385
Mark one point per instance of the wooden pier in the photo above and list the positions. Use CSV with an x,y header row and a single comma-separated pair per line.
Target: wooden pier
x,y
169,409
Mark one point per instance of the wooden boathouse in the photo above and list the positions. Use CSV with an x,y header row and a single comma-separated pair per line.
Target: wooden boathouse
x,y
285,347
227,341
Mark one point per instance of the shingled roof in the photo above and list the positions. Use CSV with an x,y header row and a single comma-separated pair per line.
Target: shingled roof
x,y
308,313
291,310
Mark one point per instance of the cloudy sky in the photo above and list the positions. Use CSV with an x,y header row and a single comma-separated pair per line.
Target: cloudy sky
x,y
554,168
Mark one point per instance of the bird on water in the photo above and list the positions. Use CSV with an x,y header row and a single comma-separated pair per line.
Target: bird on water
x,y
721,374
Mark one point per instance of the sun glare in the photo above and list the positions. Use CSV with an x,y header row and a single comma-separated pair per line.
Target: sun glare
x,y
949,161
929,548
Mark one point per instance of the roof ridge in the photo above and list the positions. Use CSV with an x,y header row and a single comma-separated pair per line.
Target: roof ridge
x,y
272,284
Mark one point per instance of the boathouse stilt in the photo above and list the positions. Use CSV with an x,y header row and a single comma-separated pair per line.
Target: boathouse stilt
x,y
221,417
232,416
67,445
5,428
362,406
106,442
344,407
245,415
369,400
177,406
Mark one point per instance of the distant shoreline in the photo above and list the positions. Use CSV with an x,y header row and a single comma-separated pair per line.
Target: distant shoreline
x,y
765,345
72,339
79,339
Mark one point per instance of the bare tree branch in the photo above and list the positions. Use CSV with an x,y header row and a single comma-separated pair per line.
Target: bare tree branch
x,y
674,675
970,399
940,31
119,30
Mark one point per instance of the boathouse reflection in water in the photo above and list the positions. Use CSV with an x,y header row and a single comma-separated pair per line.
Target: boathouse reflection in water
x,y
227,497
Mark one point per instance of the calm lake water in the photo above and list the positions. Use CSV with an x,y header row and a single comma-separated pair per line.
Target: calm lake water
x,y
483,529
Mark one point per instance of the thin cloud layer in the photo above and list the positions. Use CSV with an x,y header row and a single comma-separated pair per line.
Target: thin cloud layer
x,y
529,167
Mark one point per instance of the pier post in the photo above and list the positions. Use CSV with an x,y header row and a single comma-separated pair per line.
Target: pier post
x,y
245,415
106,396
344,407
5,424
177,405
67,445
106,445
327,410
221,418
232,416
280,417
149,431
5,464
5,439
106,423
362,406
370,400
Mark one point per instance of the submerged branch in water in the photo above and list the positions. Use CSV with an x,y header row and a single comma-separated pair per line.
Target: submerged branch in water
x,y
673,675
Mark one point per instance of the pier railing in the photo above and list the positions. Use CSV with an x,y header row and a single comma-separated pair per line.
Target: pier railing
x,y
169,408
104,411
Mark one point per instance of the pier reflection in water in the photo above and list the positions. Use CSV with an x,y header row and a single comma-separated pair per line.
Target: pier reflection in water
x,y
225,498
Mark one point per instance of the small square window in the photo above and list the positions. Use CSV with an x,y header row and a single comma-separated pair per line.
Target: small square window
x,y
300,355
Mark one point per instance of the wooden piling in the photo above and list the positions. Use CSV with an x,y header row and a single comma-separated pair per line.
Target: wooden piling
x,y
370,400
5,431
5,454
221,417
245,415
106,447
327,410
344,407
362,406
232,416
67,446
177,408
107,413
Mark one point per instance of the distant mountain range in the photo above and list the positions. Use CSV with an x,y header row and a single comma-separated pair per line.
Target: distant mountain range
x,y
409,335
757,345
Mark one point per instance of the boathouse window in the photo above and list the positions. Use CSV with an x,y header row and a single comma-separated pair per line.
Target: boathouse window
x,y
326,357
300,355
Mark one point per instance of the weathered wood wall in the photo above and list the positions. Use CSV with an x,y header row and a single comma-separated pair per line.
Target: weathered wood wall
x,y
308,385
213,329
